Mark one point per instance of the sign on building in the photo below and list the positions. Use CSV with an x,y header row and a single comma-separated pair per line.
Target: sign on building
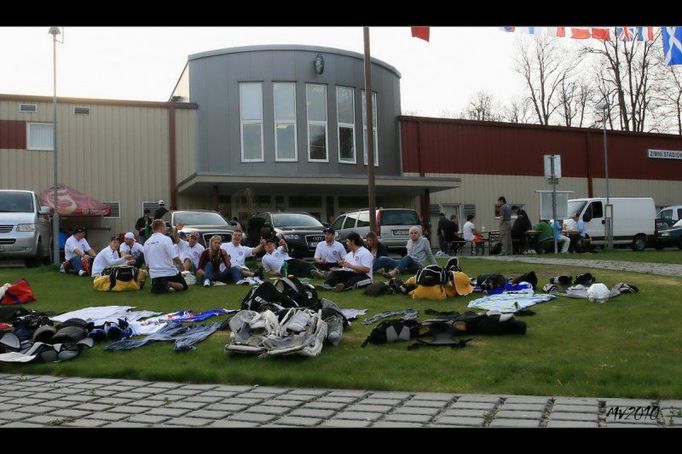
x,y
665,154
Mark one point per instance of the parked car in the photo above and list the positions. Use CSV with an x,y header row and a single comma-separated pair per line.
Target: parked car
x,y
301,231
204,222
25,227
671,214
393,223
671,236
634,220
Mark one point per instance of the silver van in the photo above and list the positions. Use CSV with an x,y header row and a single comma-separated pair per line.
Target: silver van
x,y
25,226
393,224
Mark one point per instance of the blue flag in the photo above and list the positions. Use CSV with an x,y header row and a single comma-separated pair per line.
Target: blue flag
x,y
672,45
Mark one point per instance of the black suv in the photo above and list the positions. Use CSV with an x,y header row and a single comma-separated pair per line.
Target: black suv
x,y
301,231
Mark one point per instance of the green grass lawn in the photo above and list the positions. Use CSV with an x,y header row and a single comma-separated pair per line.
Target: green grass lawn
x,y
626,255
628,347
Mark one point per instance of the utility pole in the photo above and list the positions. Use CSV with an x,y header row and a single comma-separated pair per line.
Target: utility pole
x,y
370,135
54,31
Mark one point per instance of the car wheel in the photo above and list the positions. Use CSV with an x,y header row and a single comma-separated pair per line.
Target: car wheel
x,y
639,243
679,244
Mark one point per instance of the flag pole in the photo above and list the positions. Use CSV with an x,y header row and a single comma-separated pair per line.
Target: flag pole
x,y
370,135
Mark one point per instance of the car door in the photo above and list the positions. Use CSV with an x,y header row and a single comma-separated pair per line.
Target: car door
x,y
337,225
594,220
44,227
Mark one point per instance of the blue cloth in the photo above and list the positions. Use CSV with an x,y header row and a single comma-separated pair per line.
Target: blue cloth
x,y
509,302
211,275
672,45
405,263
184,337
77,263
580,225
556,227
509,287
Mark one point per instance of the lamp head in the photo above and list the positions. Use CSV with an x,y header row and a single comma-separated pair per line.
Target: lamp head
x,y
54,31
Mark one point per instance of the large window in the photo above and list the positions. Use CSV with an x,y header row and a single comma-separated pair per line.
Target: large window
x,y
316,101
40,136
251,115
375,135
285,121
345,113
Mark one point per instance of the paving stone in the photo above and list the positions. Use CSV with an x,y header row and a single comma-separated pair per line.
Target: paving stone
x,y
269,410
641,422
17,394
102,392
129,409
219,394
45,396
338,399
370,408
526,400
48,420
300,398
574,416
502,422
309,392
408,418
629,426
521,407
120,388
75,380
68,413
442,397
208,414
346,423
390,395
624,403
124,424
575,401
47,378
205,387
108,416
561,424
132,395
460,421
190,405
21,424
519,414
575,409
92,407
252,417
356,415
189,422
325,405
674,421
466,413
373,401
670,404
86,386
150,403
312,413
416,411
86,423
79,398
232,388
226,407
134,383
105,381
395,424
240,401
174,412
60,403
299,421
426,403
231,424
356,394
37,410
112,401
284,403
473,405
166,397
148,419
164,385
270,390
14,415
255,395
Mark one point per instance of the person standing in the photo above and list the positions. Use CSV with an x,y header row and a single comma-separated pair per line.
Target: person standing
x,y
163,261
158,214
76,248
505,226
329,252
144,226
133,248
443,225
110,256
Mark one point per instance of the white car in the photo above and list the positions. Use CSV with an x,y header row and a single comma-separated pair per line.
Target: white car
x,y
25,227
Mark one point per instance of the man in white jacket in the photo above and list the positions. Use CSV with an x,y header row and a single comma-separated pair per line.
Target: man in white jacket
x,y
110,256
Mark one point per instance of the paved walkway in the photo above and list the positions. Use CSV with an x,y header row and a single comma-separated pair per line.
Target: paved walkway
x,y
48,401
664,269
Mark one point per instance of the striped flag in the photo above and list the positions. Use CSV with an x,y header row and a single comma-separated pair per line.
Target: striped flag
x,y
672,45
421,33
635,33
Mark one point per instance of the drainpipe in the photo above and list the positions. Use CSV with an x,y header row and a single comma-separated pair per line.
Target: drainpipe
x,y
172,157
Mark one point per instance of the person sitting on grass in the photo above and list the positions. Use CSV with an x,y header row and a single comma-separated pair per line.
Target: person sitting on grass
x,y
214,263
276,261
376,248
356,267
163,261
238,255
329,252
132,248
189,250
75,249
110,256
418,252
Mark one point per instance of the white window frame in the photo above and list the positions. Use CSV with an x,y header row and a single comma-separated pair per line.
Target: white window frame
x,y
285,122
242,123
345,125
28,136
318,123
119,210
375,129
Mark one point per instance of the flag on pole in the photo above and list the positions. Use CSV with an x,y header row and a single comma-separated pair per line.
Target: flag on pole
x,y
601,33
580,33
635,33
672,45
421,33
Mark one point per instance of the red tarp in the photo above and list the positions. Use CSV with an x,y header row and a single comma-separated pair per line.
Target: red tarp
x,y
73,203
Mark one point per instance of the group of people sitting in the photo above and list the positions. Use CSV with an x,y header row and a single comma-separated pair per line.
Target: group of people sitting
x,y
570,234
167,257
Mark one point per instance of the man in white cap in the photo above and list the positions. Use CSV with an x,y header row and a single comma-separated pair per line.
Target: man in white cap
x,y
158,214
108,257
132,247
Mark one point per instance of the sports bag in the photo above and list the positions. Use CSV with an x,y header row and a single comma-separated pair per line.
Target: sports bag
x,y
431,275
120,279
267,297
394,330
18,293
305,295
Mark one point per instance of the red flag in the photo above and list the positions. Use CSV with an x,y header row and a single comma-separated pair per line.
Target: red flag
x,y
600,33
421,32
580,33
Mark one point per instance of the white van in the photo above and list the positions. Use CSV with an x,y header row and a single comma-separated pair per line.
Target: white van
x,y
671,213
633,219
25,228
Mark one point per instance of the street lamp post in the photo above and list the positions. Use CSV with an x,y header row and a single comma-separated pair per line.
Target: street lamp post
x,y
608,209
54,31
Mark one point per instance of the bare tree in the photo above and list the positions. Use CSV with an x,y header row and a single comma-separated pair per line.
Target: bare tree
x,y
482,106
519,110
574,96
544,68
667,96
628,66
447,113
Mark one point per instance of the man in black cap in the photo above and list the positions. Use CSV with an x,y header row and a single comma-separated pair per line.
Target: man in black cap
x,y
144,226
161,210
329,253
76,248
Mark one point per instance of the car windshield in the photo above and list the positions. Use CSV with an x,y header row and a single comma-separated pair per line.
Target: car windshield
x,y
294,220
678,223
199,218
16,202
576,206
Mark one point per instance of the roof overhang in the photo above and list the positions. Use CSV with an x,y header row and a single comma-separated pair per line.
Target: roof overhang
x,y
201,183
